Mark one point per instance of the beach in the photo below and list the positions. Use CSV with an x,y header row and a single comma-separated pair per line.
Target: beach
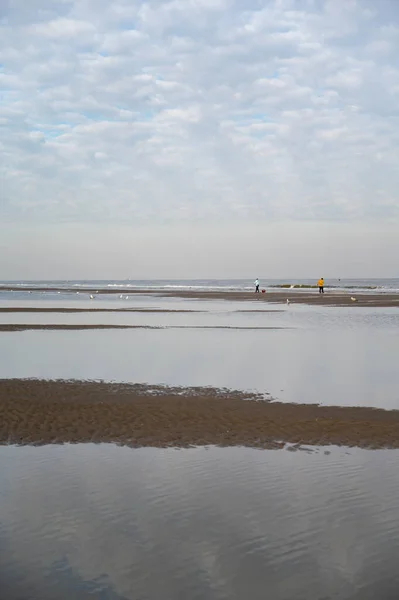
x,y
313,298
331,297
221,439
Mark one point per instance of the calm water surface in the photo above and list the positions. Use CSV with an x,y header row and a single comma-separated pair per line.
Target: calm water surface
x,y
328,356
115,523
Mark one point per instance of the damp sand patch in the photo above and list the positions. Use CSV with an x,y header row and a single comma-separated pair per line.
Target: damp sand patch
x,y
53,412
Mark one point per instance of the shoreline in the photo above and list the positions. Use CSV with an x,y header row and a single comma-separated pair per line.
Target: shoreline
x,y
40,412
295,296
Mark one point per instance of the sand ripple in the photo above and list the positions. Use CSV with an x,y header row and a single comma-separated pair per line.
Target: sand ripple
x,y
46,412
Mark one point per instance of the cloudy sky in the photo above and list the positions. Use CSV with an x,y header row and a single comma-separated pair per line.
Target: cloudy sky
x,y
199,138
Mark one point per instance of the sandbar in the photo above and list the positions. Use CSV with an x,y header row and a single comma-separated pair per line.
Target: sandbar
x,y
305,296
15,327
61,309
53,412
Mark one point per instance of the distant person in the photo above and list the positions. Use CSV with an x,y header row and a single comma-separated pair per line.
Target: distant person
x,y
257,286
320,283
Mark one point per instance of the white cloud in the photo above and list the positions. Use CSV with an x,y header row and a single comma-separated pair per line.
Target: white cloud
x,y
62,28
200,109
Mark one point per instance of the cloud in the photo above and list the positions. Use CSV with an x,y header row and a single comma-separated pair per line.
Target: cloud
x,y
198,110
62,29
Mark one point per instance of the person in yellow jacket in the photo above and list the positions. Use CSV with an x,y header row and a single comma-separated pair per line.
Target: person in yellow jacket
x,y
320,283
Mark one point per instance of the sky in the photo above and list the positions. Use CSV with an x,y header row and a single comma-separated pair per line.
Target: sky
x,y
199,138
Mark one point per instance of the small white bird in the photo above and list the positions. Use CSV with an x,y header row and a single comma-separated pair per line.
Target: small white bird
x,y
121,296
288,301
353,299
91,297
77,292
127,298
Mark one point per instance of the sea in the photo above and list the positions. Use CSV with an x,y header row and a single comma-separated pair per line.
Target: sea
x,y
359,285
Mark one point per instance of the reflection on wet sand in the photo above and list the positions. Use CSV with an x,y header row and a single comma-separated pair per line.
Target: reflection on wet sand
x,y
353,366
48,412
226,524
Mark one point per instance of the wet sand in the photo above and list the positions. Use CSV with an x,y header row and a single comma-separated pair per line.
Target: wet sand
x,y
329,298
10,327
46,412
45,309
296,297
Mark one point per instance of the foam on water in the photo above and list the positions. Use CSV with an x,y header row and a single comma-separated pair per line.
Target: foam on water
x,y
375,285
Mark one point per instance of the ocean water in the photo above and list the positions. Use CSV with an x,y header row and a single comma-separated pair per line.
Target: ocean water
x,y
378,285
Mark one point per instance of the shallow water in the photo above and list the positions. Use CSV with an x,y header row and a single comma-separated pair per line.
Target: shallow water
x,y
115,523
348,366
327,355
194,317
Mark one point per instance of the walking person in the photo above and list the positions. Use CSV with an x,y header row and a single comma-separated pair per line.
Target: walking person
x,y
257,286
320,284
